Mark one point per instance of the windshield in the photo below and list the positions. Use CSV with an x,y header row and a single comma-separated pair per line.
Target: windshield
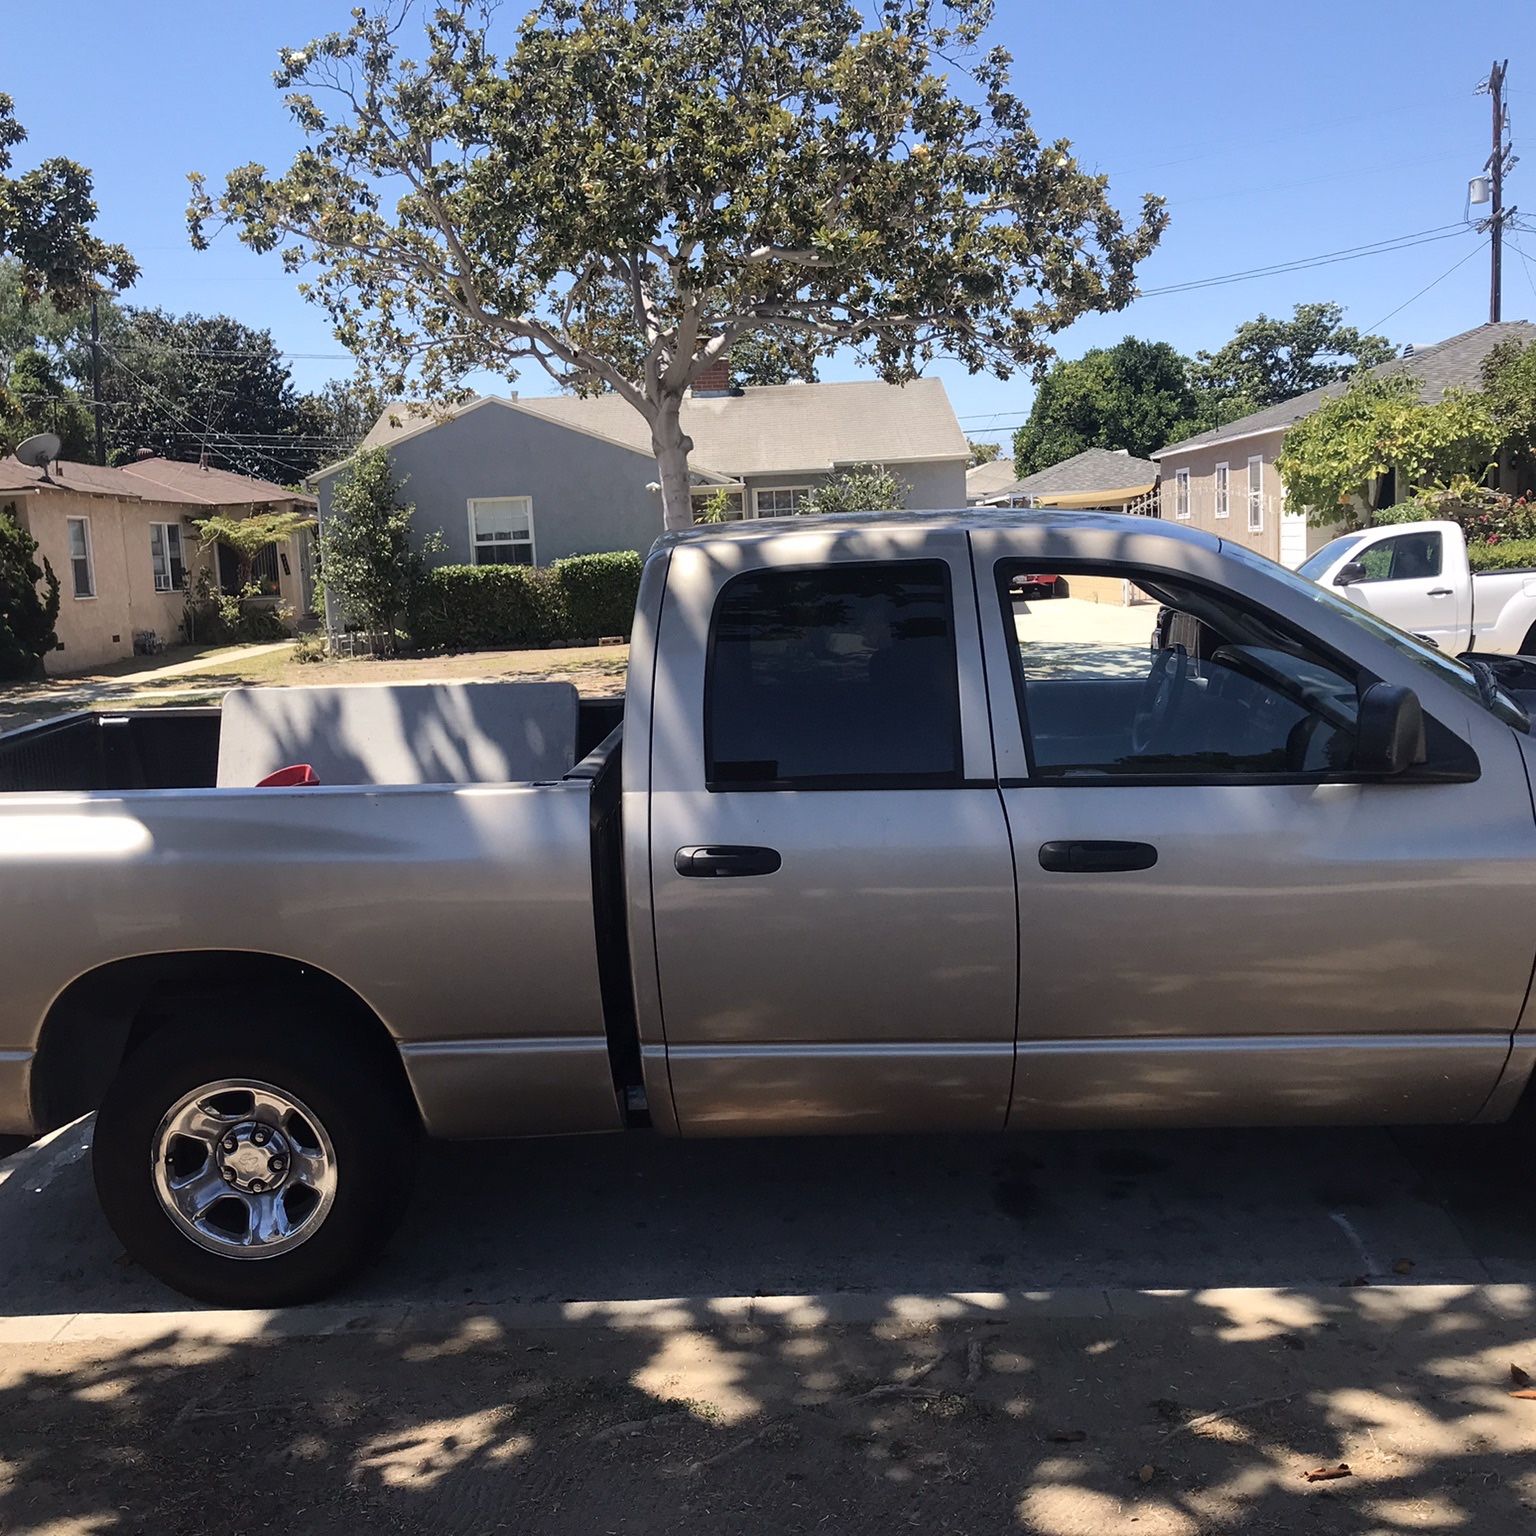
x,y
1315,564
1480,691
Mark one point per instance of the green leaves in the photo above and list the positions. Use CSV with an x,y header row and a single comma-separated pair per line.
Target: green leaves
x,y
639,184
1134,396
1268,361
1334,459
27,617
859,488
369,565
45,223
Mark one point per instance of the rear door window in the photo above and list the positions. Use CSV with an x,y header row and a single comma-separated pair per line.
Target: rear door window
x,y
842,676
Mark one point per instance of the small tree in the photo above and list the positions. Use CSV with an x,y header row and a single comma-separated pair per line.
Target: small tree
x,y
246,537
860,488
984,453
367,562
1335,461
26,617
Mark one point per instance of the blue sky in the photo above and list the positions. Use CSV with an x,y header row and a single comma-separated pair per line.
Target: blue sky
x,y
1275,132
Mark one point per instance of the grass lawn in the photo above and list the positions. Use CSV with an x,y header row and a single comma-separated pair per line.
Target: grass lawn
x,y
595,670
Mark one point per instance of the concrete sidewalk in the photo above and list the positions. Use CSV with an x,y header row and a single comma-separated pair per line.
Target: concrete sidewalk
x,y
1169,1415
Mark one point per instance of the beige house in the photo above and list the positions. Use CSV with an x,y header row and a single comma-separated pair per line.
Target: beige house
x,y
1225,481
122,543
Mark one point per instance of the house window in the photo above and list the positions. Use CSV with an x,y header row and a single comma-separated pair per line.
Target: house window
x,y
1223,492
782,501
501,530
80,559
165,557
734,508
1181,494
1256,494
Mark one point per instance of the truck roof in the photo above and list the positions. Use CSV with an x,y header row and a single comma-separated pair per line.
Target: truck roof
x,y
1042,519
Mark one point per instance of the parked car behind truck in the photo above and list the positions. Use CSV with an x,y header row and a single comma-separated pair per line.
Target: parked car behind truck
x,y
1282,873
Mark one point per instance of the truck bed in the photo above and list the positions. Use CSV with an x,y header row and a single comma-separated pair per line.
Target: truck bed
x,y
166,748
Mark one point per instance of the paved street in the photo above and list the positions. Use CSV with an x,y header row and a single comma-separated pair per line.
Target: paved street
x,y
1119,1390
636,1217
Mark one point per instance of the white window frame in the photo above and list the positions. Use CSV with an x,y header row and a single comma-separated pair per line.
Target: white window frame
x,y
90,559
776,490
475,542
701,495
1255,497
169,580
1181,495
1221,479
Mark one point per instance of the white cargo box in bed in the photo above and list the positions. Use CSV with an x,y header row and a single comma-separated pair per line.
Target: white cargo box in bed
x,y
413,733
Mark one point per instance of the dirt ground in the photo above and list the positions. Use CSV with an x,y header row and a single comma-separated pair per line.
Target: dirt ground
x,y
1188,1419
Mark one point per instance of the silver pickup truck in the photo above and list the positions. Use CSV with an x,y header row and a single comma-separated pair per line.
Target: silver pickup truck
x,y
879,846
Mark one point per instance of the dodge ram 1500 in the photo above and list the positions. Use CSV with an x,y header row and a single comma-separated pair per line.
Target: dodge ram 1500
x,y
1280,869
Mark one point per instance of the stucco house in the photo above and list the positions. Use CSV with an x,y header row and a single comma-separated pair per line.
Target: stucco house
x,y
122,544
1225,481
529,481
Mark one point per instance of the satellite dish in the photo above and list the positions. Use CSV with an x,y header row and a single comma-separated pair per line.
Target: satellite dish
x,y
39,451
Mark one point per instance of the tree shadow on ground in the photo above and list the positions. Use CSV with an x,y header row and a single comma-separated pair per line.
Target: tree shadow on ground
x,y
1198,1412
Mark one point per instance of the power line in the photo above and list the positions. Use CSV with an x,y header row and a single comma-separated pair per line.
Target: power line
x,y
1326,258
1427,286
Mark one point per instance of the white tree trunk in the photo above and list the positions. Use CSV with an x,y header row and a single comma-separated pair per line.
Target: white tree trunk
x,y
672,448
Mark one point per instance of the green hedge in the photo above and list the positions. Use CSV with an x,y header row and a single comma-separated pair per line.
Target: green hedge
x,y
1507,554
599,592
482,607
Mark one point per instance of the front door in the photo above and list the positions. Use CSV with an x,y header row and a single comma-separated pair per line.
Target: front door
x,y
831,878
1217,926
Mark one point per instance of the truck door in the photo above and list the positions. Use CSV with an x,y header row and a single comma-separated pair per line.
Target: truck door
x,y
831,880
1222,922
1404,577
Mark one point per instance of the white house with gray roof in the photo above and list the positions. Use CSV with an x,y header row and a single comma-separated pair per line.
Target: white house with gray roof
x,y
529,481
1225,481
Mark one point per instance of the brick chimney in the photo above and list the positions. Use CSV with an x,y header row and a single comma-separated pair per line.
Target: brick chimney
x,y
715,379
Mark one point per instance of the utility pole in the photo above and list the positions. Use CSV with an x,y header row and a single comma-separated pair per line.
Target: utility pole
x,y
1500,160
101,443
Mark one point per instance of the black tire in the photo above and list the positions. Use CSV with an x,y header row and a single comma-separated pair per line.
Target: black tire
x,y
1528,645
357,1092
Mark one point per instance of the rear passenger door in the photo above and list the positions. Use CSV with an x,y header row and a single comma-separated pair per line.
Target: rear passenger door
x,y
832,884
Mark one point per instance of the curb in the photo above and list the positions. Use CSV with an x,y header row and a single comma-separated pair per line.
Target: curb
x,y
1268,1308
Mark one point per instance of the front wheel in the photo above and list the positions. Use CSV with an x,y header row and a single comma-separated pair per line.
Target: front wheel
x,y
257,1169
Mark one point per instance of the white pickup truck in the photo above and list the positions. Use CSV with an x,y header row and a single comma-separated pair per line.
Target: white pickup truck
x,y
1416,576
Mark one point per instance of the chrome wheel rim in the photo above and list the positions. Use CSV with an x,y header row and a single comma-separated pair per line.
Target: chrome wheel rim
x,y
244,1169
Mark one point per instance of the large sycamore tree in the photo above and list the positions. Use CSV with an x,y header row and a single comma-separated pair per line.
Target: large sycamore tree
x,y
629,188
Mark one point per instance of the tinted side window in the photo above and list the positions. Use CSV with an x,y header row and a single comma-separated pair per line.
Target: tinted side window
x,y
842,675
1405,557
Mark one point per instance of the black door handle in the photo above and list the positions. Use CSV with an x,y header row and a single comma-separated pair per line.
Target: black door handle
x,y
716,860
1102,858
1439,591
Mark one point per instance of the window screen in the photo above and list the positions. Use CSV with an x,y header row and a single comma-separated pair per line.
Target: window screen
x,y
842,676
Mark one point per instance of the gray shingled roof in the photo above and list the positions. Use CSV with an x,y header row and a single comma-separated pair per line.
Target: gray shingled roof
x,y
1450,364
985,479
1094,469
764,429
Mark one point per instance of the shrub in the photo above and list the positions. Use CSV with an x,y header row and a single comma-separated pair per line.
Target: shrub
x,y
477,607
599,592
1505,555
27,617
